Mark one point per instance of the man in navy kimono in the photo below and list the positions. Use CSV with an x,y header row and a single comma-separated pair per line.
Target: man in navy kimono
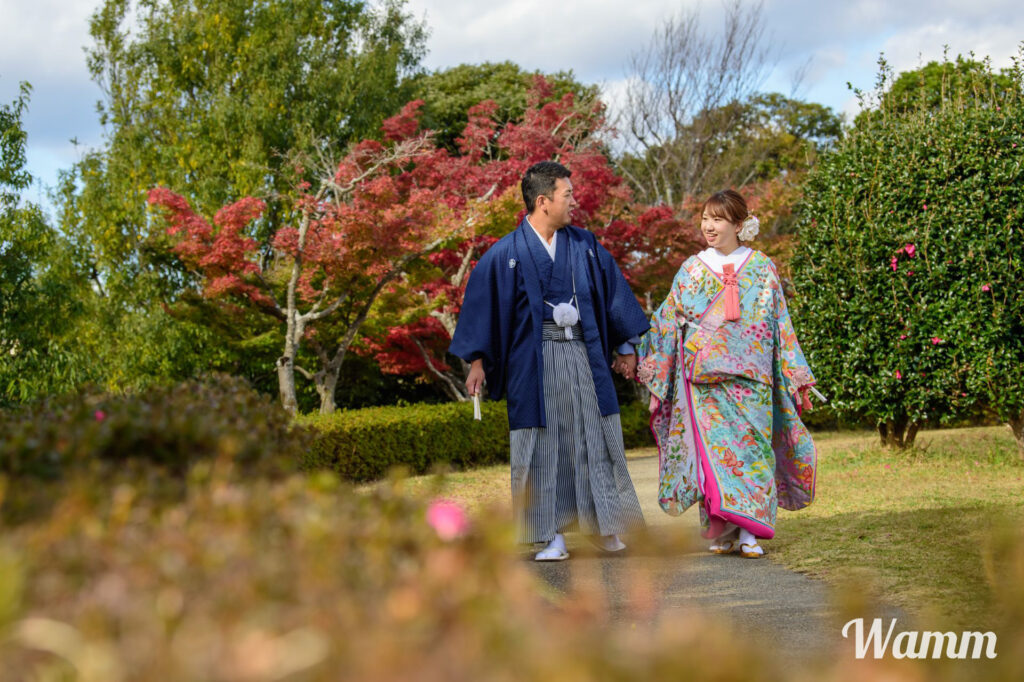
x,y
544,311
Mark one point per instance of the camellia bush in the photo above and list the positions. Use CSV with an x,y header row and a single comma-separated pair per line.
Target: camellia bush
x,y
911,242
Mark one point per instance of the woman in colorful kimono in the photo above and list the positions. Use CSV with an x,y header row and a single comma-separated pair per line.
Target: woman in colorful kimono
x,y
728,382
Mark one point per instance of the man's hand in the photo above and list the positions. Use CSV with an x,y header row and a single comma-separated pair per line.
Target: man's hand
x,y
475,380
625,365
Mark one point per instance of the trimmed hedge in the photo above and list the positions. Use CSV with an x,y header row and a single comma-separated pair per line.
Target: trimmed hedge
x,y
636,425
220,417
362,445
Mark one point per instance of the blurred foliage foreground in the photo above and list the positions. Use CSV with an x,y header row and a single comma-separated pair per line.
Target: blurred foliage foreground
x,y
130,568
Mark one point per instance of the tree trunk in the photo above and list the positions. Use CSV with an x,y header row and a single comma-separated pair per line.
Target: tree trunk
x,y
1017,426
326,384
286,383
911,435
898,433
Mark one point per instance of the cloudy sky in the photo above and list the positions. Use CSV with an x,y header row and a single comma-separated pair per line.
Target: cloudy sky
x,y
832,42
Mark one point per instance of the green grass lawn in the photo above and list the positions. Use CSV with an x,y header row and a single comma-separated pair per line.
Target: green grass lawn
x,y
919,526
922,526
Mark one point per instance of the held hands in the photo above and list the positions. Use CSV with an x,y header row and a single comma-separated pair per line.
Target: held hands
x,y
475,380
625,365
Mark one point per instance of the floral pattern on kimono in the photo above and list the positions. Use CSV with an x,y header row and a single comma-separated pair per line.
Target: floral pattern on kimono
x,y
727,415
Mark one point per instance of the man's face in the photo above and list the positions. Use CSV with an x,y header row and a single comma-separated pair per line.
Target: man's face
x,y
559,206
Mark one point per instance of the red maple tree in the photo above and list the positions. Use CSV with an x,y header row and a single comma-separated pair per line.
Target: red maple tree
x,y
414,329
384,205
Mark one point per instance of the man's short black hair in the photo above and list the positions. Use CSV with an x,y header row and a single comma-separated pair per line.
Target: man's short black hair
x,y
540,179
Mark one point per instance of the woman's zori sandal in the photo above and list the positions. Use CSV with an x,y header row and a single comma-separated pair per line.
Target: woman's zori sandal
x,y
726,543
749,548
737,540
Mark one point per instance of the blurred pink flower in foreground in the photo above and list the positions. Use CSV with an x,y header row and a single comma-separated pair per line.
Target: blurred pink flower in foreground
x,y
447,518
910,250
936,340
899,374
100,415
985,287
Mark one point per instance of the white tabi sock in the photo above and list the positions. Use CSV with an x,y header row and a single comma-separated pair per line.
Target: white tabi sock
x,y
558,541
747,538
555,551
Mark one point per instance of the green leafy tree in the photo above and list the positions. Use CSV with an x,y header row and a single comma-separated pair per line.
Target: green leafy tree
x,y
215,98
13,176
934,84
772,135
41,290
759,139
449,94
910,255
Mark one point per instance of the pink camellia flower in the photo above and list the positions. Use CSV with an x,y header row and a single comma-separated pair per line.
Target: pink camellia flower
x,y
899,374
936,340
902,337
985,287
447,518
893,263
100,415
910,250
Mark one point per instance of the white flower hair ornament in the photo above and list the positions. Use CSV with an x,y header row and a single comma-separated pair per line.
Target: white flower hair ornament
x,y
751,226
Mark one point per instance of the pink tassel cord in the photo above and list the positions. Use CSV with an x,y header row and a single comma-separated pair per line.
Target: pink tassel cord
x,y
732,292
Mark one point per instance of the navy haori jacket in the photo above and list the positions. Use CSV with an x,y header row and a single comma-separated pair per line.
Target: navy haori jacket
x,y
503,312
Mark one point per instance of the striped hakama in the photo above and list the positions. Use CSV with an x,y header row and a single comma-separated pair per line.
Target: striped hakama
x,y
571,475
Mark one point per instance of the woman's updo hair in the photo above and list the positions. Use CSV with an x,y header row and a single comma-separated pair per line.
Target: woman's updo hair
x,y
727,204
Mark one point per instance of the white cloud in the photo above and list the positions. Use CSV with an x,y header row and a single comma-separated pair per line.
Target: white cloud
x,y
41,41
594,38
918,46
44,38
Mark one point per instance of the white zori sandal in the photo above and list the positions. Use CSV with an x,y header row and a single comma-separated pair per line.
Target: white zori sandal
x,y
555,551
748,545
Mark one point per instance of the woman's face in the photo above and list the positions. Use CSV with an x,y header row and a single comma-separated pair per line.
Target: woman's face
x,y
720,233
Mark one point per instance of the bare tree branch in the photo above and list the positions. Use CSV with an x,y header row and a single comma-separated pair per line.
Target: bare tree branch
x,y
676,98
452,387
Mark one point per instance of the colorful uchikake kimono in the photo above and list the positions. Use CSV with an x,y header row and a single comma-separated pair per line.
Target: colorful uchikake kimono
x,y
727,377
